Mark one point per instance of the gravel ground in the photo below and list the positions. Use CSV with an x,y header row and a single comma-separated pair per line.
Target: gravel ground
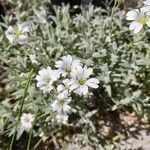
x,y
140,142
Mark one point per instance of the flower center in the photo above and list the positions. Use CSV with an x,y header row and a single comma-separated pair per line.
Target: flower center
x,y
61,102
27,120
68,69
81,81
143,20
48,79
18,33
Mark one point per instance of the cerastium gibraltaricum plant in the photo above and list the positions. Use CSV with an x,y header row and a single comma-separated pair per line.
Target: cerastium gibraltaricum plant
x,y
62,72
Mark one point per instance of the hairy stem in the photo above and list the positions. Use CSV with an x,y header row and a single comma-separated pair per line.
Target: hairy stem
x,y
20,110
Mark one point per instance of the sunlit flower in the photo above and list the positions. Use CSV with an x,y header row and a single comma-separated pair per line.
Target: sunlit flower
x,y
63,89
62,118
61,105
67,65
147,2
139,18
146,8
46,78
19,34
26,121
80,80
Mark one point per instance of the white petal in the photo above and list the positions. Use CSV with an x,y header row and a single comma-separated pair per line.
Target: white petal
x,y
138,28
147,2
60,88
55,74
63,94
11,38
38,78
133,25
66,82
92,85
94,80
59,64
39,84
84,89
49,69
148,22
20,26
146,9
66,108
79,70
67,59
132,15
78,91
42,71
73,87
60,71
75,63
55,105
46,89
87,72
10,34
64,73
10,30
22,39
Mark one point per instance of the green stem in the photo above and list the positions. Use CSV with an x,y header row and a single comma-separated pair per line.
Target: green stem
x,y
29,141
20,110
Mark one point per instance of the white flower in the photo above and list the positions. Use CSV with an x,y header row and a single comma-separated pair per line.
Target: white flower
x,y
33,58
63,89
46,78
80,80
146,8
41,15
62,118
26,121
147,2
19,34
61,106
139,18
67,65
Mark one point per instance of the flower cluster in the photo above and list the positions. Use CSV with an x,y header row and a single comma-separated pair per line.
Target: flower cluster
x,y
75,78
139,17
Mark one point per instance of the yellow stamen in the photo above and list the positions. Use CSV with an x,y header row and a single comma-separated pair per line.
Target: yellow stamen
x,y
81,81
18,33
61,102
68,69
143,20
